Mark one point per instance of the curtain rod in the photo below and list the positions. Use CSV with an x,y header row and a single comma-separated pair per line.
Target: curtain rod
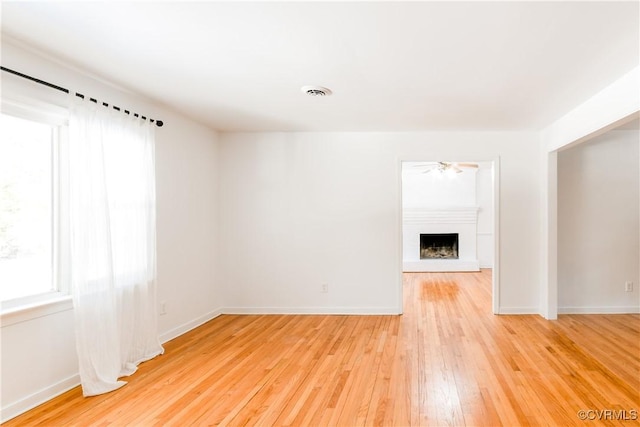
x,y
158,123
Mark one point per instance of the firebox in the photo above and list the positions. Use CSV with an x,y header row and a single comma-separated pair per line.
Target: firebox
x,y
439,246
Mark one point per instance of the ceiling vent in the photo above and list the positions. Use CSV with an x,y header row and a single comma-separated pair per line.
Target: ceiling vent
x,y
316,91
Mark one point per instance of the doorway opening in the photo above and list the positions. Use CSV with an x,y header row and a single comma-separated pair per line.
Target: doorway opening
x,y
449,219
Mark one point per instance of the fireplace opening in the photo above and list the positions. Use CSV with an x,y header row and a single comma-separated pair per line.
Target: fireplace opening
x,y
440,246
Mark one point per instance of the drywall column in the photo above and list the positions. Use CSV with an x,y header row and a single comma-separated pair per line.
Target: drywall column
x,y
613,106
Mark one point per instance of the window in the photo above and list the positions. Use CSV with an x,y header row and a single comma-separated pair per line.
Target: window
x,y
28,207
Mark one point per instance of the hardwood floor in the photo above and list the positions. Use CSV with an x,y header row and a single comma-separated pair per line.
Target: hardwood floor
x,y
446,361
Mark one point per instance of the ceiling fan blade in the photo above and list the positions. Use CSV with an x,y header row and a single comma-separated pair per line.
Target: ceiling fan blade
x,y
443,166
467,165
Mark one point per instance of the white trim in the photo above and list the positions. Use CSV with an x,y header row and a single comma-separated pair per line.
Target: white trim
x,y
57,299
186,327
495,273
320,311
599,310
32,109
21,406
549,270
28,312
451,215
400,237
519,310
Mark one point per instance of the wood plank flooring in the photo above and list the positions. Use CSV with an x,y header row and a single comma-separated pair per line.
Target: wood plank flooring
x,y
446,362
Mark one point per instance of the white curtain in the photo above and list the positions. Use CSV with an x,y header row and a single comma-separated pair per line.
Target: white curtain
x,y
112,243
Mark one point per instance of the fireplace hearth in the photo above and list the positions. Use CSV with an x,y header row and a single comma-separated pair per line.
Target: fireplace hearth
x,y
439,246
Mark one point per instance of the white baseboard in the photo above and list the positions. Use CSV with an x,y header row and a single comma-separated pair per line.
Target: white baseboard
x,y
599,310
176,332
518,310
373,311
14,409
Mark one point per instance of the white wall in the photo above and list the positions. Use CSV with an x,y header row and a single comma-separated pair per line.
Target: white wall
x,y
187,226
302,209
38,356
598,224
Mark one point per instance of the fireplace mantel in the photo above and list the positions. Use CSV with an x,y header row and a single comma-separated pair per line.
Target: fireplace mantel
x,y
452,215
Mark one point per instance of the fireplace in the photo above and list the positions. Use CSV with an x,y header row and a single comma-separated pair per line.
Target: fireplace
x,y
442,239
439,246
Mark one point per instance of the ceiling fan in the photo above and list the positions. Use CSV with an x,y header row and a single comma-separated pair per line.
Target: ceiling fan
x,y
446,167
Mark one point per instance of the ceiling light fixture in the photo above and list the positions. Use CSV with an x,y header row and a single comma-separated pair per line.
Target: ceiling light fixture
x,y
445,167
316,90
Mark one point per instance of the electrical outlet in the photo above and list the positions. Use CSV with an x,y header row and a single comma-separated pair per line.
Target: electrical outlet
x,y
628,287
324,288
163,308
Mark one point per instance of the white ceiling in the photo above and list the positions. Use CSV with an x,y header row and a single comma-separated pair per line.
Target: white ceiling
x,y
393,66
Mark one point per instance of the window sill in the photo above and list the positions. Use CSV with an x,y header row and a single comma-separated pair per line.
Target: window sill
x,y
32,311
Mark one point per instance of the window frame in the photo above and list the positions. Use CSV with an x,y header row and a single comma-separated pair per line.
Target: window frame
x,y
59,298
